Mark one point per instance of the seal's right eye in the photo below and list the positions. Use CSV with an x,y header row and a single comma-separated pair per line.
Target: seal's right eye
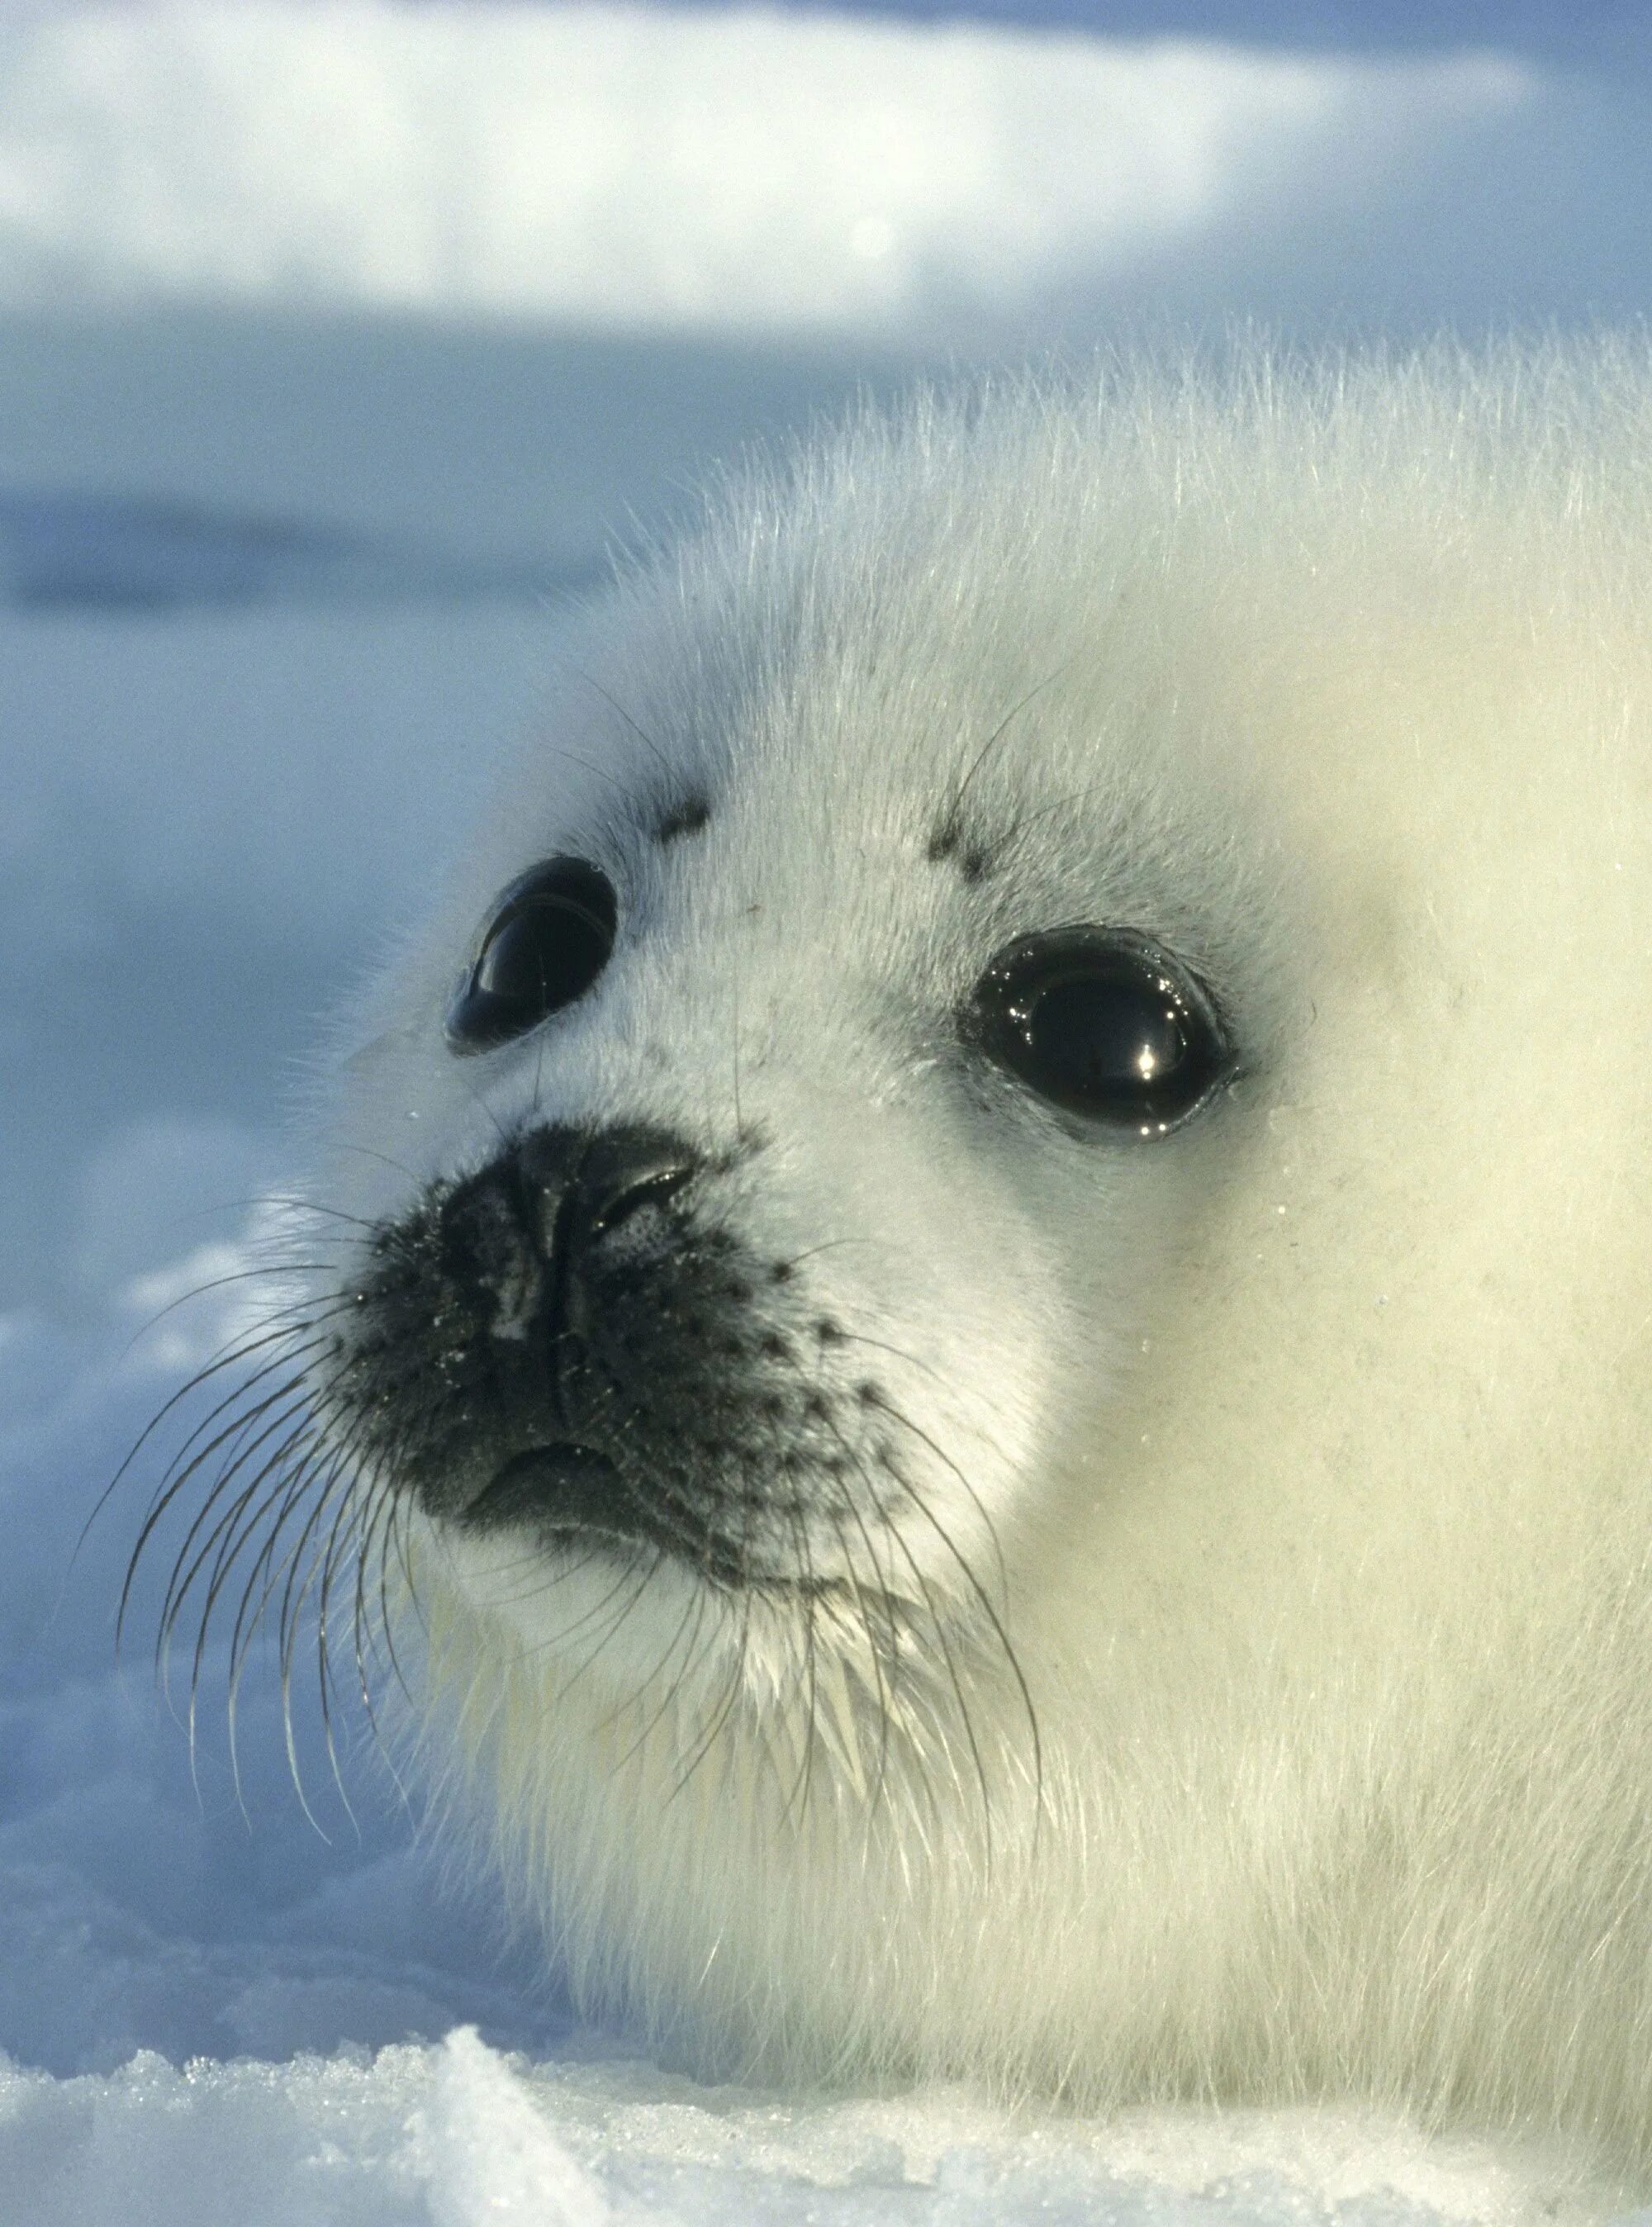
x,y
550,937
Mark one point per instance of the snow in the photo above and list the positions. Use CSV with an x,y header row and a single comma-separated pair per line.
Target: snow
x,y
336,346
460,2135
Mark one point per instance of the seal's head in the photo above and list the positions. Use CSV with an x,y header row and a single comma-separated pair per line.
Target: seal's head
x,y
1000,1311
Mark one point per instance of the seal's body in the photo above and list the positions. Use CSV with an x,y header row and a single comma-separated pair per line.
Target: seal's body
x,y
1007,1315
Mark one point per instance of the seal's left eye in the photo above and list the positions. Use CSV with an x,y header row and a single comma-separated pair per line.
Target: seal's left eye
x,y
550,936
1105,1022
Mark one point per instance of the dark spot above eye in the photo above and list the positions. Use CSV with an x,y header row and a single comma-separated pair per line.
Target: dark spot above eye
x,y
685,819
973,857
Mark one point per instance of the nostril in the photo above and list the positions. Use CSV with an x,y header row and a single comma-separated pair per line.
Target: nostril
x,y
574,1186
630,1190
490,1256
478,1228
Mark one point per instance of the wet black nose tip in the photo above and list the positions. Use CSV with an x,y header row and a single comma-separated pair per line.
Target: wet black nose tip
x,y
582,1186
524,1235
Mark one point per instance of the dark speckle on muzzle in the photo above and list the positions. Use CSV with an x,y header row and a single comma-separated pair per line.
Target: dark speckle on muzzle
x,y
574,1340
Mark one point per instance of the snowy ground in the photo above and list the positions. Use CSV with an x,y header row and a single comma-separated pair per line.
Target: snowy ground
x,y
336,344
458,2136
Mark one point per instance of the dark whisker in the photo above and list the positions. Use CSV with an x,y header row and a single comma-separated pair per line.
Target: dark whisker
x,y
643,1580
255,1596
264,1577
214,1367
809,1679
258,1275
895,1414
734,1686
232,1533
954,805
692,1615
642,736
937,1625
1000,1633
284,1393
366,1152
891,1637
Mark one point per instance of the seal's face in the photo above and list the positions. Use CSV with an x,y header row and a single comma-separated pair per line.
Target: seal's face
x,y
620,1340
1016,1170
769,1113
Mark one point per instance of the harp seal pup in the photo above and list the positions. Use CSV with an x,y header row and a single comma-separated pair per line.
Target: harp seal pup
x,y
1004,1319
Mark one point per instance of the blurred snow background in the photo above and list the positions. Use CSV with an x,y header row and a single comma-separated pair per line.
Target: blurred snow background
x,y
338,342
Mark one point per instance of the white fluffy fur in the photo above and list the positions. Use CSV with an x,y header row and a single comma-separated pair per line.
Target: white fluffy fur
x,y
1303,1454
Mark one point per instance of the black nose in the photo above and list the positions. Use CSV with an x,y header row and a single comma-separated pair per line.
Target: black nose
x,y
574,1340
578,1187
550,1199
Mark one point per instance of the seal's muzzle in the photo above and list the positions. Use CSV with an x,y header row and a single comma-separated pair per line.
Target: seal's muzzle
x,y
573,1340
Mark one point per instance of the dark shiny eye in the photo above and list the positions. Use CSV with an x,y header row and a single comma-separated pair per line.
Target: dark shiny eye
x,y
1105,1022
549,939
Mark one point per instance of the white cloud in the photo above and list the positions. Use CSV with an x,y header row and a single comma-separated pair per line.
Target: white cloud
x,y
614,167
